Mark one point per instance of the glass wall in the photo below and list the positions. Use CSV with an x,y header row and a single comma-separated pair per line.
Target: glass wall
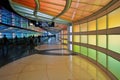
x,y
98,38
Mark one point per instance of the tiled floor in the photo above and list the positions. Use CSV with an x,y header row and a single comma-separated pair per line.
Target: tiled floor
x,y
51,67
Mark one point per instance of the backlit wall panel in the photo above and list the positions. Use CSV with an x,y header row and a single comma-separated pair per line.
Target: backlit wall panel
x,y
65,41
76,28
102,41
101,23
84,50
65,36
102,58
114,66
114,43
83,38
92,39
70,38
98,41
76,48
70,46
76,38
114,18
83,27
92,53
92,25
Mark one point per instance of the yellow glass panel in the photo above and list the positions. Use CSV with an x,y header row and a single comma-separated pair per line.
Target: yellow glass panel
x,y
76,38
92,25
65,47
92,39
65,41
83,27
65,37
101,23
102,41
83,38
76,28
114,18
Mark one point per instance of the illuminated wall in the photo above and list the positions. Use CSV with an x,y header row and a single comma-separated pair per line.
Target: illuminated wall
x,y
99,39
76,38
76,28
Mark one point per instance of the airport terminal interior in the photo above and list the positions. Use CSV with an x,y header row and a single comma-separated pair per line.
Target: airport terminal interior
x,y
59,39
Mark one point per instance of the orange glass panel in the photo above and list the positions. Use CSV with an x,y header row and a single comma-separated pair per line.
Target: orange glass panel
x,y
65,37
101,22
114,18
76,28
92,25
65,32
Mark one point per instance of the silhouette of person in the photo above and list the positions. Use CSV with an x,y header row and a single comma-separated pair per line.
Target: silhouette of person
x,y
16,40
5,45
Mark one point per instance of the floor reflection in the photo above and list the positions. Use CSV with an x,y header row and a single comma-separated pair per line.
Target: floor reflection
x,y
45,67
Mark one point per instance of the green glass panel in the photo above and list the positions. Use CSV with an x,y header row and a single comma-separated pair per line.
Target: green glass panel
x,y
114,66
102,58
114,43
84,50
76,48
102,41
92,53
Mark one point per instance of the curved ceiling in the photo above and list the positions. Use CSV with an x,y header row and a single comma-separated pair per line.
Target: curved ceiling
x,y
50,9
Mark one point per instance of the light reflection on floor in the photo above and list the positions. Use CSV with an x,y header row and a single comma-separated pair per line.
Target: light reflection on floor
x,y
45,67
52,67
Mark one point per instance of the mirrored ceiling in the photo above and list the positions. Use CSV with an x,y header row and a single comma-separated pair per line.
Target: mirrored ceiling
x,y
63,11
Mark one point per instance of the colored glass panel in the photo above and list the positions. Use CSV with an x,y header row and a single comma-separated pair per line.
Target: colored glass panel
x,y
84,50
92,25
114,67
83,38
101,22
65,41
70,38
92,39
114,43
114,18
102,58
65,36
83,27
102,41
76,48
92,53
76,28
70,47
70,29
65,47
76,38
65,32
